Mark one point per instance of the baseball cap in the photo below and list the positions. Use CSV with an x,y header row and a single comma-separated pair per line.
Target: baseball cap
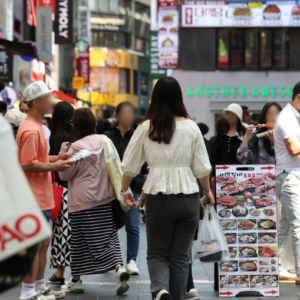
x,y
36,89
15,117
236,109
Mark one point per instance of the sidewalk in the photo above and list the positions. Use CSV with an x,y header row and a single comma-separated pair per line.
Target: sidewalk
x,y
102,287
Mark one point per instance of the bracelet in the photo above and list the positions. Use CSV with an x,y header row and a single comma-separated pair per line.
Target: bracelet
x,y
125,193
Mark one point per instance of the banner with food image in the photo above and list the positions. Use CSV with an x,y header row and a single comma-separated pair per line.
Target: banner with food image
x,y
240,13
246,208
168,21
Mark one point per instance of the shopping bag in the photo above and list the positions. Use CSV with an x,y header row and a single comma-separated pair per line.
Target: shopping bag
x,y
57,194
114,171
22,223
211,244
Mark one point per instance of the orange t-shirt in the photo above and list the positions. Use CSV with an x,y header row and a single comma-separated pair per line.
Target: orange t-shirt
x,y
33,147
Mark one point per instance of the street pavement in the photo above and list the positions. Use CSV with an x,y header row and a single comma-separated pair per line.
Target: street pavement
x,y
102,287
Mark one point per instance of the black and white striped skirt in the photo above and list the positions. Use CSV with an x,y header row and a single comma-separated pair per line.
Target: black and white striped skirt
x,y
95,247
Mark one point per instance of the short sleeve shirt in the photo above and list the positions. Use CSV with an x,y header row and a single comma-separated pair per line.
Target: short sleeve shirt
x,y
287,126
33,147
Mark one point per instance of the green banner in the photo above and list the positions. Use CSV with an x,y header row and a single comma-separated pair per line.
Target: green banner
x,y
155,72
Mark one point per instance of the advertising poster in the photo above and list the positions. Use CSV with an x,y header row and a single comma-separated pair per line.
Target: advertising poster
x,y
155,72
168,37
246,208
240,14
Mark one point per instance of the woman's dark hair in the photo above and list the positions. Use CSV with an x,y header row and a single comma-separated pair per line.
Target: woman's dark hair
x,y
48,119
84,122
203,128
61,129
221,124
239,128
166,104
102,126
262,120
121,105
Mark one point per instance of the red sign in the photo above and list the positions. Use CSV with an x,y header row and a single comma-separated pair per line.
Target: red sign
x,y
8,234
167,1
222,168
37,70
271,292
83,65
267,168
50,3
227,293
31,17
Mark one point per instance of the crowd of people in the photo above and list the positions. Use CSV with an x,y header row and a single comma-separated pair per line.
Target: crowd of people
x,y
174,148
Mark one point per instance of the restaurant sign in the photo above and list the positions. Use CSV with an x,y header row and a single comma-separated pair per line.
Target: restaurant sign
x,y
242,91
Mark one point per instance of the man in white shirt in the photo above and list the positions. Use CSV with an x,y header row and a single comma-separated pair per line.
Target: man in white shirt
x,y
287,150
247,115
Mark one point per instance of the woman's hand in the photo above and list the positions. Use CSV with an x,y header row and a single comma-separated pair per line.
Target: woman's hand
x,y
65,146
129,200
65,156
250,129
210,197
138,205
270,136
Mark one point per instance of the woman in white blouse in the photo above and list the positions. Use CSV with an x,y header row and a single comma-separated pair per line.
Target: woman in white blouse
x,y
174,148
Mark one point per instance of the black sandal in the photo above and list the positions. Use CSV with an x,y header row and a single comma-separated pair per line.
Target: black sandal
x,y
55,279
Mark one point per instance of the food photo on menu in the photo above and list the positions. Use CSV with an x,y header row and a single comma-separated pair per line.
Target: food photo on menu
x,y
234,281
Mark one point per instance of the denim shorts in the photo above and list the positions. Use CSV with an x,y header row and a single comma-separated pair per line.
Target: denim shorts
x,y
47,214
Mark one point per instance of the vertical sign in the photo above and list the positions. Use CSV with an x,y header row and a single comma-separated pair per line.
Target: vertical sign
x,y
63,24
246,207
84,26
6,65
168,21
155,72
83,65
48,3
9,30
43,32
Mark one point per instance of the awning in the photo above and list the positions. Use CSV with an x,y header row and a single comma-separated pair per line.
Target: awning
x,y
19,48
64,97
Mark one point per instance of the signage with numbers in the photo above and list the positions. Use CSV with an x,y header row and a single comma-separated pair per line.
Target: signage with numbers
x,y
246,208
6,65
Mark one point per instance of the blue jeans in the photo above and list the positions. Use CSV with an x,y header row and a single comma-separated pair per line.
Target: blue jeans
x,y
47,214
133,231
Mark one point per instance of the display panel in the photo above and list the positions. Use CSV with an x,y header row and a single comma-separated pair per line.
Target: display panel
x,y
246,208
240,14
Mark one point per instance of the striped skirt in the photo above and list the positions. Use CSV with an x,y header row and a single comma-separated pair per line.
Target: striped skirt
x,y
95,247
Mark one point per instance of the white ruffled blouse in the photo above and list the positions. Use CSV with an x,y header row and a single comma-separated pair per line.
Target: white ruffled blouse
x,y
173,167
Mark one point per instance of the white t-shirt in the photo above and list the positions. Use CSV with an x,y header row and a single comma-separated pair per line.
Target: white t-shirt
x,y
47,135
287,126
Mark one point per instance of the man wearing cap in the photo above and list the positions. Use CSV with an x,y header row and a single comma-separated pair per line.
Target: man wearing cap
x,y
34,159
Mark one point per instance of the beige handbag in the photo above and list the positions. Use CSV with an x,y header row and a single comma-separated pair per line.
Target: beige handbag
x,y
114,171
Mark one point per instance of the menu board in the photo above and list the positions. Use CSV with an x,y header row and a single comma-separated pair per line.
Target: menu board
x,y
246,208
168,37
240,14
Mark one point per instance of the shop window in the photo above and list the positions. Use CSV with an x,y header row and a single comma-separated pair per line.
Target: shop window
x,y
265,56
142,12
139,45
125,7
95,38
236,46
144,84
279,48
251,49
93,5
135,81
127,81
223,54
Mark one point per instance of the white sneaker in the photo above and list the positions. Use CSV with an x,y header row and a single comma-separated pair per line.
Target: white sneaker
x,y
132,268
163,295
285,275
57,294
122,277
192,295
73,287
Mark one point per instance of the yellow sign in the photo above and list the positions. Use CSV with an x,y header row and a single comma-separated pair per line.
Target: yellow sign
x,y
78,83
102,99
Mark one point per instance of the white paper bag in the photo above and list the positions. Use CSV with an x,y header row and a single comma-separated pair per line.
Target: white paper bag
x,y
22,224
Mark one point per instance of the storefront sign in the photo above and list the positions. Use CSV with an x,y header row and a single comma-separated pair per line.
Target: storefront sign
x,y
84,25
37,70
78,83
155,72
108,23
242,91
246,207
240,14
43,32
102,99
63,25
83,65
47,3
6,65
81,46
168,21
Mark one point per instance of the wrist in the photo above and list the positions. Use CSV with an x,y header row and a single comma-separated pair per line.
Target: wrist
x,y
126,192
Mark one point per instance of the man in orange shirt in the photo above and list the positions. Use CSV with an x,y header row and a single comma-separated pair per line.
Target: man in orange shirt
x,y
34,159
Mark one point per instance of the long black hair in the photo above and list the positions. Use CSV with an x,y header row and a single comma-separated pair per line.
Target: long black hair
x,y
262,120
166,104
61,129
239,128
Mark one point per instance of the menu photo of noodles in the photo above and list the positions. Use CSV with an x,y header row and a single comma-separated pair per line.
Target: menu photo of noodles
x,y
247,212
168,21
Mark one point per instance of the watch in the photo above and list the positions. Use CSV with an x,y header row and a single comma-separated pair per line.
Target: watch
x,y
125,193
